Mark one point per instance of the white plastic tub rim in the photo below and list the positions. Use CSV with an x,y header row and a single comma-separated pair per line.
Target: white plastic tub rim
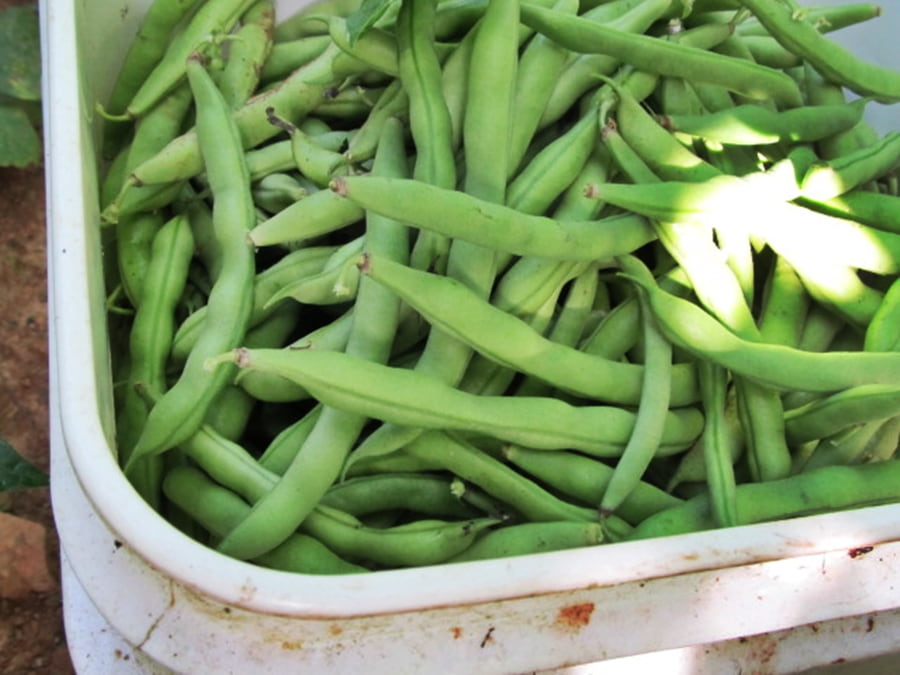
x,y
93,34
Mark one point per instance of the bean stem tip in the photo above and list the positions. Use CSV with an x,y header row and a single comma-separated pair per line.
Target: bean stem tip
x,y
339,185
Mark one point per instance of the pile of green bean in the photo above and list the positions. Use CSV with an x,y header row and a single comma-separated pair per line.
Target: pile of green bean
x,y
423,281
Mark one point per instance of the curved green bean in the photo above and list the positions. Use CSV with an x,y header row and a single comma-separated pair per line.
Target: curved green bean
x,y
509,340
494,225
823,490
829,58
665,57
413,399
784,368
181,410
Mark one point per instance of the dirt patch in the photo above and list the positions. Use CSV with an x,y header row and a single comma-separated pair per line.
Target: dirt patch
x,y
31,627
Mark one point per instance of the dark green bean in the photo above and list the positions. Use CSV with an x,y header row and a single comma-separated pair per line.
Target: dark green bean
x,y
531,538
829,58
496,478
664,57
827,489
217,509
421,493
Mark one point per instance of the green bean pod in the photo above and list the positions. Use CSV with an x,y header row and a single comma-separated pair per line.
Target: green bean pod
x,y
844,447
784,368
292,99
876,210
585,479
302,263
785,306
531,538
511,341
884,444
276,191
426,542
494,225
881,333
828,489
755,125
394,102
181,410
825,18
413,399
665,57
280,452
147,49
829,58
211,18
650,416
320,213
286,56
826,180
149,342
853,406
496,479
248,50
425,494
337,427
217,509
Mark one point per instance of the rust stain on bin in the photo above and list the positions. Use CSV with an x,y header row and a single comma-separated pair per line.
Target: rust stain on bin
x,y
575,617
456,631
860,551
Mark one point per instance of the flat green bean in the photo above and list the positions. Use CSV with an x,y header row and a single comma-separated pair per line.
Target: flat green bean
x,y
531,538
784,368
651,412
218,509
665,57
496,479
829,58
182,408
828,489
509,340
494,225
406,397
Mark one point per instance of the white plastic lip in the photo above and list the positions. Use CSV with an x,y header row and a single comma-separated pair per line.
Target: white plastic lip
x,y
72,209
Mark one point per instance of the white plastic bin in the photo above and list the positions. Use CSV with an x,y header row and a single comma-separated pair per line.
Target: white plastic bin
x,y
175,604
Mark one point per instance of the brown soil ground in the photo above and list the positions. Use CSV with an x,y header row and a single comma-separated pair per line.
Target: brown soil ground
x,y
32,639
31,627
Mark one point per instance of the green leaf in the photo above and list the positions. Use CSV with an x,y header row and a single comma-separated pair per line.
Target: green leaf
x,y
365,17
15,472
20,53
20,145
